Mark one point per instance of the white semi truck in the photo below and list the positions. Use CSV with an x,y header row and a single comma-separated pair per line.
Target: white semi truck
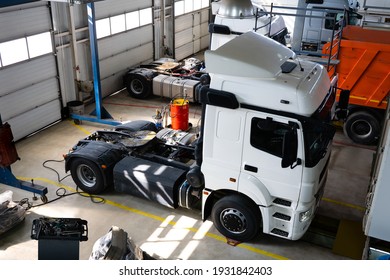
x,y
260,159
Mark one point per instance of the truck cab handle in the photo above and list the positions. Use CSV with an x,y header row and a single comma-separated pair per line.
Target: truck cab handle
x,y
250,168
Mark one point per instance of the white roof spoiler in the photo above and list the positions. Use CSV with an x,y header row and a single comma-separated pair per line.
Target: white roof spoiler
x,y
249,55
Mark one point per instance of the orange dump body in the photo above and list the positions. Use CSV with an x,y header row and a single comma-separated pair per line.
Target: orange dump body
x,y
364,66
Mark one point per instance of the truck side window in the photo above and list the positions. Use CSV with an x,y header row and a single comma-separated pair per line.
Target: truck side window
x,y
330,23
267,135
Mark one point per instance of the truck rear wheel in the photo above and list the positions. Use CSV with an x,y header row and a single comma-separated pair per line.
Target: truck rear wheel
x,y
87,176
362,128
138,86
236,217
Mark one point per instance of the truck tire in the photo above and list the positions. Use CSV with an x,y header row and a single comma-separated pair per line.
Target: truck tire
x,y
138,86
87,176
362,128
236,217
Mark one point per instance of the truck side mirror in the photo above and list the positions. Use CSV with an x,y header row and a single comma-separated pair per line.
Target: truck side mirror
x,y
290,149
342,108
219,29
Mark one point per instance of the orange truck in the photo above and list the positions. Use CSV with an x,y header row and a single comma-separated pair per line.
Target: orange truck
x,y
363,68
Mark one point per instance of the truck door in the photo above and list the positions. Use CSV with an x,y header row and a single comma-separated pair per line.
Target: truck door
x,y
262,157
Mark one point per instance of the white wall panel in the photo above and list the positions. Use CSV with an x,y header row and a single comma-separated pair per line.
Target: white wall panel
x,y
191,33
119,52
25,74
115,7
183,22
113,68
110,46
22,22
28,98
184,51
36,119
29,92
184,37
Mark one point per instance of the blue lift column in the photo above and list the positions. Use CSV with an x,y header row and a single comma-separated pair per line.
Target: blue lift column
x,y
100,113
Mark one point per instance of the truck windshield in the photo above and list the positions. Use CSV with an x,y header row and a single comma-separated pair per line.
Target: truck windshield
x,y
317,136
317,130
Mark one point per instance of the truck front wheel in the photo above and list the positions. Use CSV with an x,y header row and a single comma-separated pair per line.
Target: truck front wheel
x,y
236,217
87,176
362,128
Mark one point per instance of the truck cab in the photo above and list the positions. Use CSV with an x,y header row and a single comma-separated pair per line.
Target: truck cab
x,y
321,19
271,145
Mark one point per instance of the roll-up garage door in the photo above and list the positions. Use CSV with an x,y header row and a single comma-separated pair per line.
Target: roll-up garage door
x,y
191,33
128,43
29,92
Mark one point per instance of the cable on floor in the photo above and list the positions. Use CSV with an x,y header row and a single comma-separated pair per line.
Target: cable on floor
x,y
60,192
94,198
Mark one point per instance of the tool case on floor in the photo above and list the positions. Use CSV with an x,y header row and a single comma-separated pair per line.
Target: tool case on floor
x,y
59,238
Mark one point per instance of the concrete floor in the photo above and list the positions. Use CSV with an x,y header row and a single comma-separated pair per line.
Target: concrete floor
x,y
164,232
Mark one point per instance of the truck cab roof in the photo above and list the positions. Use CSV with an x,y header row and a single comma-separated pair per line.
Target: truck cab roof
x,y
264,73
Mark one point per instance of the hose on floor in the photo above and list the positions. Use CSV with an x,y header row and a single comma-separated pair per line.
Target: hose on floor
x,y
60,192
94,198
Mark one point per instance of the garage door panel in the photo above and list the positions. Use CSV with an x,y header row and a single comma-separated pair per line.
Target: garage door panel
x,y
35,119
115,7
204,42
184,51
112,84
197,45
113,45
125,60
184,37
29,92
21,75
196,19
204,29
183,23
19,23
196,32
28,98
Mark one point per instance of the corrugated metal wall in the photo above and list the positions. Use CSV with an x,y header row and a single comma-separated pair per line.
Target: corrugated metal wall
x,y
29,92
191,33
121,51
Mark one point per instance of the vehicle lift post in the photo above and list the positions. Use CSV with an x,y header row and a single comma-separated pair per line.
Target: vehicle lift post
x,y
9,155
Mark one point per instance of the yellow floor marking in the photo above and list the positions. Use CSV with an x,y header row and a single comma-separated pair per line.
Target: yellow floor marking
x,y
161,219
360,208
80,128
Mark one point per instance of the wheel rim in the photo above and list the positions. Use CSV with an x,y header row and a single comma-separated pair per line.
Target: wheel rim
x,y
86,175
361,128
233,220
136,86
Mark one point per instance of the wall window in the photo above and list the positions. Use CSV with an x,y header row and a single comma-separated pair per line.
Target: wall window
x,y
39,44
103,28
18,50
120,23
145,16
132,20
188,6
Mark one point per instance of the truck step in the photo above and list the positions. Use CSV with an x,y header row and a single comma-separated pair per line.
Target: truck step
x,y
281,216
283,202
279,232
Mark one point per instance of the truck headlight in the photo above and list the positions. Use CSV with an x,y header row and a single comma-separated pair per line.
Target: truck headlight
x,y
304,216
